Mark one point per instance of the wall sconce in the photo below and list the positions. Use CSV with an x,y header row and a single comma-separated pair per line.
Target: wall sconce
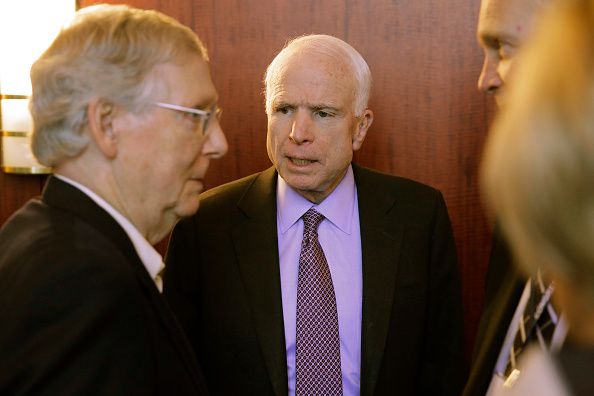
x,y
15,127
43,20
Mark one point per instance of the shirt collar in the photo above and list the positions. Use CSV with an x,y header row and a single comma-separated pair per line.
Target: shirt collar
x,y
151,259
338,207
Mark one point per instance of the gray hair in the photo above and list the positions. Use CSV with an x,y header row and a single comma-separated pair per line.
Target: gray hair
x,y
106,53
330,46
538,171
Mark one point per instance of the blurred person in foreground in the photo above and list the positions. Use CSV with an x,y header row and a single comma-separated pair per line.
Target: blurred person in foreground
x,y
124,110
503,28
319,276
538,178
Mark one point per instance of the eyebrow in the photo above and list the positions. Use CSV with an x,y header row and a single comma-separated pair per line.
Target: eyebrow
x,y
313,107
490,38
325,107
206,103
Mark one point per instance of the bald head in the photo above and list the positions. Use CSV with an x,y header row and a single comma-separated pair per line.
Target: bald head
x,y
314,46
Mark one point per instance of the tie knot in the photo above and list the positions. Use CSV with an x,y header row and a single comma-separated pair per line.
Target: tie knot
x,y
311,221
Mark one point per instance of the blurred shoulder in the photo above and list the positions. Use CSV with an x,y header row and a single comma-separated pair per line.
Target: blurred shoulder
x,y
45,241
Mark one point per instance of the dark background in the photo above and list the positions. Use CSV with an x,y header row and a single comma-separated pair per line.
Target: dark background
x,y
430,121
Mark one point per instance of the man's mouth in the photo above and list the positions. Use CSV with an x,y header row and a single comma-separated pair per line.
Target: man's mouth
x,y
301,161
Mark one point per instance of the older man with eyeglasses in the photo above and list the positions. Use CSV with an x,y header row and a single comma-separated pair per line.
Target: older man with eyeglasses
x,y
126,113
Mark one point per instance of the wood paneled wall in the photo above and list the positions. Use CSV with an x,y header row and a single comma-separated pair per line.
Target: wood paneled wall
x,y
15,190
430,121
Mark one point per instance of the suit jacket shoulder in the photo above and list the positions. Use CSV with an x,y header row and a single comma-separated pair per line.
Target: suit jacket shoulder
x,y
223,282
75,296
410,271
391,189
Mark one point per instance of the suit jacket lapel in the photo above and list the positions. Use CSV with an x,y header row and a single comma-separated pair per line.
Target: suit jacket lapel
x,y
381,241
490,337
256,244
257,254
62,195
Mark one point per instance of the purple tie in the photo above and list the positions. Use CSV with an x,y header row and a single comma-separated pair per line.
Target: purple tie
x,y
318,344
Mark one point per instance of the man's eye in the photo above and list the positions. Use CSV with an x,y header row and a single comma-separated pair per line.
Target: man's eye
x,y
506,51
323,114
283,110
193,117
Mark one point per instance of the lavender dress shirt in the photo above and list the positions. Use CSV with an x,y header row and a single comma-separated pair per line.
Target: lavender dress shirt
x,y
340,237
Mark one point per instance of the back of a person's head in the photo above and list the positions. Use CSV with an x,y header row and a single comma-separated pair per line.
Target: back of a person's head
x,y
538,172
106,52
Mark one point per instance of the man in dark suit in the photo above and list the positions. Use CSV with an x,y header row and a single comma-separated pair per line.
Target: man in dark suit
x,y
503,27
537,179
80,300
236,271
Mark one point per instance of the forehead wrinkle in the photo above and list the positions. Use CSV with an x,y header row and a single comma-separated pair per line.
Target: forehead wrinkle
x,y
290,78
197,93
279,100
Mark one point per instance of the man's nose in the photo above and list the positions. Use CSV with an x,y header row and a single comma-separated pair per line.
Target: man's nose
x,y
301,127
215,145
490,81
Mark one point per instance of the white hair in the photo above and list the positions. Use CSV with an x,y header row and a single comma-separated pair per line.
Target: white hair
x,y
107,52
330,46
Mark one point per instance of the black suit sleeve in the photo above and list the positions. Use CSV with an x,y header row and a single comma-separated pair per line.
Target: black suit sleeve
x,y
444,367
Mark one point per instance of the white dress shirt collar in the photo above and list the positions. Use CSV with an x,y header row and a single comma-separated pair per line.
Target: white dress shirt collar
x,y
151,259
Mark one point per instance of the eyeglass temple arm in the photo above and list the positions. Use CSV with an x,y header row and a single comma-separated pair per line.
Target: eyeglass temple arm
x,y
181,108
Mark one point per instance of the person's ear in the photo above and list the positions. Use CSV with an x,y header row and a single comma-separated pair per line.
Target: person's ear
x,y
363,124
101,115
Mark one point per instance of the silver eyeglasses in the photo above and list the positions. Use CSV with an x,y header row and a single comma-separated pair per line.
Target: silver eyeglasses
x,y
195,115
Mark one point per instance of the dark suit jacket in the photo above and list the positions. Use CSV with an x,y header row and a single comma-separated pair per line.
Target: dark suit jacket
x,y
223,281
576,364
503,289
80,314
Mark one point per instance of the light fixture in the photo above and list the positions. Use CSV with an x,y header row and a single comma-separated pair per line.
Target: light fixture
x,y
43,20
15,127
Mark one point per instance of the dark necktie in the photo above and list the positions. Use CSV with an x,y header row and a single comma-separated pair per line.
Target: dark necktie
x,y
317,350
537,324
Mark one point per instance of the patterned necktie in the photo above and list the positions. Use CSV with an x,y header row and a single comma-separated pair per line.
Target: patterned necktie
x,y
537,325
317,356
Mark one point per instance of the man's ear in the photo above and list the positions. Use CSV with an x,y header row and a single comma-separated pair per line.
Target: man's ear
x,y
101,126
363,124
